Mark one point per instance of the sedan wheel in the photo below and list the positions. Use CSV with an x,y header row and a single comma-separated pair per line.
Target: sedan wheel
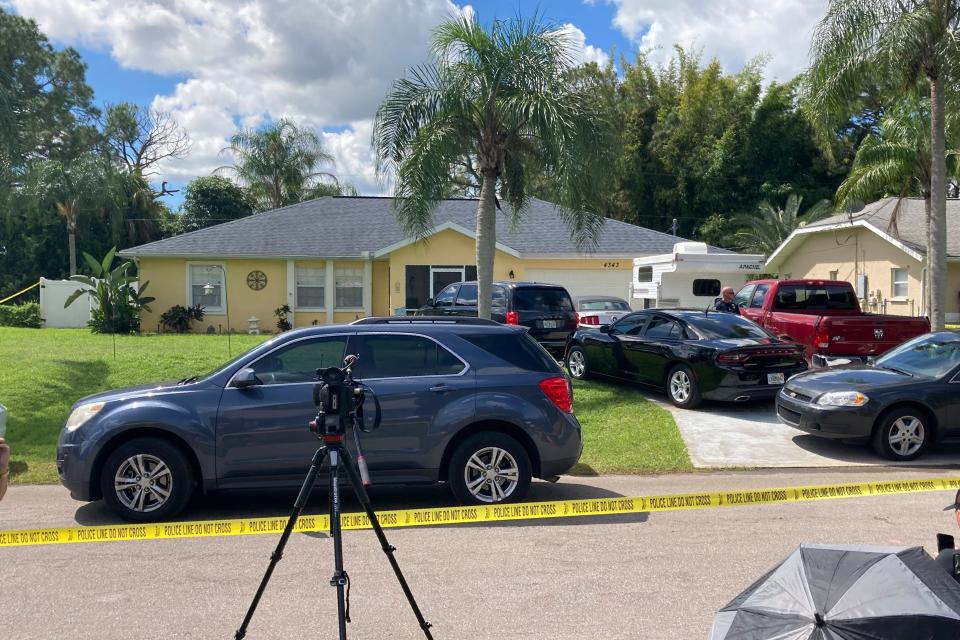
x,y
146,479
901,434
488,468
577,363
682,387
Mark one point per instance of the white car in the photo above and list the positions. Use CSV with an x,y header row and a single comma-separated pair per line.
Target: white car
x,y
597,311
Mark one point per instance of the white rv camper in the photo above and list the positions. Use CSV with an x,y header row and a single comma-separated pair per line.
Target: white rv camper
x,y
690,276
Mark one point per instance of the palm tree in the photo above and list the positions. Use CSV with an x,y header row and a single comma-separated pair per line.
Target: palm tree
x,y
895,160
494,105
73,187
898,43
278,164
764,233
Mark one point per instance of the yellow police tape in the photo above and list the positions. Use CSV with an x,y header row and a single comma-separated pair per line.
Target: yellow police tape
x,y
21,292
462,515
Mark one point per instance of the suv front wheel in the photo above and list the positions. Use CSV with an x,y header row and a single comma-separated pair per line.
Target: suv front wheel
x,y
146,479
489,467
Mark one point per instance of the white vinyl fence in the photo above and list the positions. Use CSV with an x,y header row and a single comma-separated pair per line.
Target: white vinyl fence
x,y
53,293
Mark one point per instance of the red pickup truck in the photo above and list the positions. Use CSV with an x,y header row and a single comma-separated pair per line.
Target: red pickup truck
x,y
825,317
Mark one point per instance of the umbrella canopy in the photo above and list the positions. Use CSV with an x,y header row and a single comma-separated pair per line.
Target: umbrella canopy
x,y
846,593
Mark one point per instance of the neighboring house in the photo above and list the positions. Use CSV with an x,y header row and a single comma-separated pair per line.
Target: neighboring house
x,y
884,261
336,259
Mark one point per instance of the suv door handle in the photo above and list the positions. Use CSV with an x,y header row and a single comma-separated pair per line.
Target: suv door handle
x,y
439,388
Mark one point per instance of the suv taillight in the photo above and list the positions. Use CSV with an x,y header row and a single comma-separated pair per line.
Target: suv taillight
x,y
822,339
559,392
513,317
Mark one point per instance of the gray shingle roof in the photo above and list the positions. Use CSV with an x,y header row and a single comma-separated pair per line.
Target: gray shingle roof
x,y
335,227
911,227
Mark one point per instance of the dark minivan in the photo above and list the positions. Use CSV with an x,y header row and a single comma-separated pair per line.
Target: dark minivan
x,y
545,309
465,401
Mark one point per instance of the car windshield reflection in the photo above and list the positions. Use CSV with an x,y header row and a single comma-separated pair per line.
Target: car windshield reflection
x,y
933,355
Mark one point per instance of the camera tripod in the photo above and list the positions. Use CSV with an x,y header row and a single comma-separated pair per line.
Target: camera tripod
x,y
334,449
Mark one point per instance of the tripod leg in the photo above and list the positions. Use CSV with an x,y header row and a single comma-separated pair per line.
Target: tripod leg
x,y
298,505
339,579
384,544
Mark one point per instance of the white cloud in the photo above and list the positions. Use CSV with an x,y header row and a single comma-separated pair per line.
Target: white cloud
x,y
324,63
584,52
734,31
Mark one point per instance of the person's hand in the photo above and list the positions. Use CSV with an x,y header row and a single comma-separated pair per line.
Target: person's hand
x,y
4,456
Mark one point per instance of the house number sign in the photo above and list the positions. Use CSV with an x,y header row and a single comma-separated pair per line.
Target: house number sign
x,y
256,280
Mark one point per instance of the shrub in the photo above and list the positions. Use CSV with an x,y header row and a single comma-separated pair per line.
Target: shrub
x,y
283,324
20,315
178,318
117,301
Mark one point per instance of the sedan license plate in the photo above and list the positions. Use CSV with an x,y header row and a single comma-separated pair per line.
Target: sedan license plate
x,y
774,378
550,324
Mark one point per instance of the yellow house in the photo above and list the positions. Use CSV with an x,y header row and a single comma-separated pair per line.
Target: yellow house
x,y
881,249
336,259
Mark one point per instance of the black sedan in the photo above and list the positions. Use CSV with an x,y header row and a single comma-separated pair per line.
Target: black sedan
x,y
692,354
900,402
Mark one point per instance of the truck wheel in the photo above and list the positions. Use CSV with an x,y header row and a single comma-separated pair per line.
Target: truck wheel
x,y
577,364
682,387
145,480
902,434
489,467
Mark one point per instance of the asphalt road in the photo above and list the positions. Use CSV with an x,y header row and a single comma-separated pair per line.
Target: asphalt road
x,y
653,576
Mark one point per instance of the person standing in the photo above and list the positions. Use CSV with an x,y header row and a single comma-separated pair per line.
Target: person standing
x,y
726,303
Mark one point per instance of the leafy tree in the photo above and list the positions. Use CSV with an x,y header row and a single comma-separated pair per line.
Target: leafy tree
x,y
501,98
210,200
765,232
896,44
717,230
278,164
117,302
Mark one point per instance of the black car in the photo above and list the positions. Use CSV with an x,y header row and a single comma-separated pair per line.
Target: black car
x,y
466,401
900,402
692,354
546,309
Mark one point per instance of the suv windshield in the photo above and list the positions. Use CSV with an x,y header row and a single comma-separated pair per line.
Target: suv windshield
x,y
545,299
932,355
812,296
719,326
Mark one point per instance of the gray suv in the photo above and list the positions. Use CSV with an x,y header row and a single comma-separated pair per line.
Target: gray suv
x,y
468,402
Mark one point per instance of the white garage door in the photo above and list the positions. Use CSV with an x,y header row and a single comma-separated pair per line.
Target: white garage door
x,y
585,282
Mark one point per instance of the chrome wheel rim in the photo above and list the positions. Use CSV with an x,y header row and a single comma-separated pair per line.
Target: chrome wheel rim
x,y
906,435
576,363
680,386
491,474
143,483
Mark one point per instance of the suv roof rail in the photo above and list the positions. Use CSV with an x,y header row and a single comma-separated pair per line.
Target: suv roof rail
x,y
427,320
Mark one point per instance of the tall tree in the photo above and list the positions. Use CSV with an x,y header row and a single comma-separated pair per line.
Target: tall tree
x,y
278,164
764,232
895,43
140,138
210,200
500,97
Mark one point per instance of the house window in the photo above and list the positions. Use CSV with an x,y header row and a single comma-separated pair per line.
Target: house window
x,y
203,278
899,278
311,287
644,274
834,275
349,287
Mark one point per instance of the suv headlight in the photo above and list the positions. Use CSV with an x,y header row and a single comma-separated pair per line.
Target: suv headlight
x,y
81,414
842,399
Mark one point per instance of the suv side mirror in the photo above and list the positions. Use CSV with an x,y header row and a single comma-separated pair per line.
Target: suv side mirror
x,y
246,377
605,328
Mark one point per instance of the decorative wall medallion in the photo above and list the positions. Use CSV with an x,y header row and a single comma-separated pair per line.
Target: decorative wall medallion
x,y
256,280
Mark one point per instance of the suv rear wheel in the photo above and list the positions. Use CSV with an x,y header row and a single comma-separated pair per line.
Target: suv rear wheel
x,y
146,479
489,467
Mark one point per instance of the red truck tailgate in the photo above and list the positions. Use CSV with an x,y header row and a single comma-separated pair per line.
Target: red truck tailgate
x,y
866,335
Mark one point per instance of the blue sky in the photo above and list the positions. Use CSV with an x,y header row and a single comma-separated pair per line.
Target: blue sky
x,y
326,63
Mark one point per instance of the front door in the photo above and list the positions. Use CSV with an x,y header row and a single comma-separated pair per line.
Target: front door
x,y
262,433
440,277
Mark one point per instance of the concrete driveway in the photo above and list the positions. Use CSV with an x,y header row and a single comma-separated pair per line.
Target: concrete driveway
x,y
749,435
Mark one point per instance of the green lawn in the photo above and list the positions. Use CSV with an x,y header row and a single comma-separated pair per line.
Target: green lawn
x,y
43,372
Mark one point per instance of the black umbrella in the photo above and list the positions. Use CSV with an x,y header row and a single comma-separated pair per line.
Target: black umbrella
x,y
846,593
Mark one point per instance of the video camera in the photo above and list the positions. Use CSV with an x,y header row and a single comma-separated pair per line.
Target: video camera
x,y
339,400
